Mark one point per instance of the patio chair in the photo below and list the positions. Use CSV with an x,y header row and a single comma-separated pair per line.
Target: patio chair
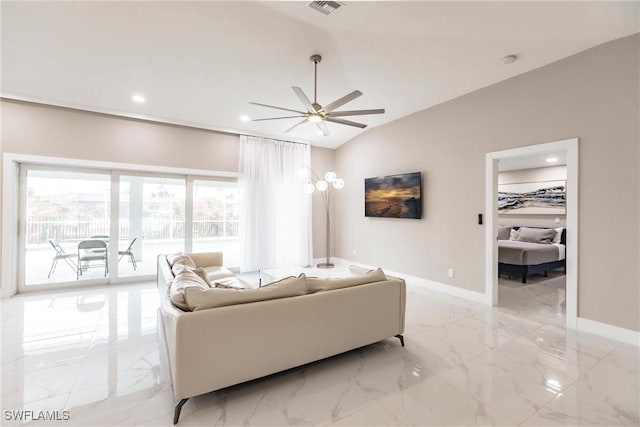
x,y
89,251
129,252
61,255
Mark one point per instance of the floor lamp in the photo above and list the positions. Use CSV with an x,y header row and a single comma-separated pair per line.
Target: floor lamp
x,y
324,186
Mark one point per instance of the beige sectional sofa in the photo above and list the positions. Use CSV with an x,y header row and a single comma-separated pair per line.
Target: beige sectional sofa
x,y
222,337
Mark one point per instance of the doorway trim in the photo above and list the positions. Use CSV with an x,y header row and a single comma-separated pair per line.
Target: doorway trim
x,y
570,146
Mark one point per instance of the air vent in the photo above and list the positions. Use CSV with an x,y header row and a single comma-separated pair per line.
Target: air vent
x,y
326,7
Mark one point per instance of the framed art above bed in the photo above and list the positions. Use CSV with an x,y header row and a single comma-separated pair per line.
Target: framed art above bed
x,y
545,198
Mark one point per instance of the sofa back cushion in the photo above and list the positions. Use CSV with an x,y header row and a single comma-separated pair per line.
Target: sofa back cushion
x,y
206,259
197,298
316,284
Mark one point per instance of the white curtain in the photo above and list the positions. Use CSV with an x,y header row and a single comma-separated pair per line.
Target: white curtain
x,y
275,213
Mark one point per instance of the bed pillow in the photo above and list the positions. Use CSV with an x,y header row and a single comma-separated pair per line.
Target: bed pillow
x,y
504,233
558,237
536,235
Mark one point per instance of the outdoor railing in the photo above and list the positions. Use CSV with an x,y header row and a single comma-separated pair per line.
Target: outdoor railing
x,y
42,228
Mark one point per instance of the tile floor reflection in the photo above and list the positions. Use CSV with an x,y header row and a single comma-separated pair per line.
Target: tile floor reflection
x,y
99,354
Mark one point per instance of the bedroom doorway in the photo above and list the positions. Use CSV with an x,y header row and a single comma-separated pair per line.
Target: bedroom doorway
x,y
518,166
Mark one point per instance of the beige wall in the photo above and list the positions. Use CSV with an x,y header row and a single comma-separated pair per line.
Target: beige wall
x,y
59,132
593,95
551,173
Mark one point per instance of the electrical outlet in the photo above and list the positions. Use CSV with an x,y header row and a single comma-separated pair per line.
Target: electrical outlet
x,y
451,273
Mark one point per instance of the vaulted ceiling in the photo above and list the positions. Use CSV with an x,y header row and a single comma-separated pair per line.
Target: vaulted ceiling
x,y
201,63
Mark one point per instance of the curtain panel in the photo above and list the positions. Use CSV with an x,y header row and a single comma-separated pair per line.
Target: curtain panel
x,y
275,226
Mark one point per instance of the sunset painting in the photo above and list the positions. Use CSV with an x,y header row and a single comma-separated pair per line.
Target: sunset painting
x,y
395,196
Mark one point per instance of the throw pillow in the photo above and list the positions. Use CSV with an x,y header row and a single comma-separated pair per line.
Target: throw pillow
x,y
202,274
536,235
513,235
315,284
201,299
179,257
184,280
504,233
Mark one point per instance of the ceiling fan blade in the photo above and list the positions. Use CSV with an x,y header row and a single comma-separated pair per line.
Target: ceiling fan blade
x,y
345,122
278,108
275,118
323,128
295,126
303,98
341,101
356,112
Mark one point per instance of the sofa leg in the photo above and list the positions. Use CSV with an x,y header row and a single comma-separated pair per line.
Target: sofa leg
x,y
524,278
401,338
176,414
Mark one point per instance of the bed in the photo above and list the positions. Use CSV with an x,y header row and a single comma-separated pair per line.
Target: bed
x,y
530,250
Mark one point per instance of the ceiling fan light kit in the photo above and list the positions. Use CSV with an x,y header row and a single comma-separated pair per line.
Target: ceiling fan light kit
x,y
318,114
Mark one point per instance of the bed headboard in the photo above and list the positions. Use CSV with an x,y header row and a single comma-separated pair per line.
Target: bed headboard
x,y
563,236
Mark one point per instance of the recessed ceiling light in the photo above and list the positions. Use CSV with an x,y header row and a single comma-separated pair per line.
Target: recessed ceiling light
x,y
510,59
138,98
244,118
551,159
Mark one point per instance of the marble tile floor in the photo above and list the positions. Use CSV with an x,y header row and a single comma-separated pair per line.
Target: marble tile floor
x,y
98,354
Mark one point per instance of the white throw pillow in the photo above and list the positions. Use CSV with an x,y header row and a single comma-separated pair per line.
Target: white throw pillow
x,y
184,280
514,234
558,236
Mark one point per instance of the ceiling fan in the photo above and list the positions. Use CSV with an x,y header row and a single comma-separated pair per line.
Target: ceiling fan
x,y
317,113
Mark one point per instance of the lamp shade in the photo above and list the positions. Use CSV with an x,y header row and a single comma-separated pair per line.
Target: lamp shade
x,y
309,188
338,183
322,185
330,176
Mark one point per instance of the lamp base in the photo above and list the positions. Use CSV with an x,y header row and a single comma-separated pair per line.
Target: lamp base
x,y
325,265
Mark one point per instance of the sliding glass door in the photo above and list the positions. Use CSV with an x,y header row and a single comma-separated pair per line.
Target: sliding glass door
x,y
65,225
215,219
102,226
152,222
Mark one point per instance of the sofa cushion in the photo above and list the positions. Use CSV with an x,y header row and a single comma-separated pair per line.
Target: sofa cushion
x,y
316,284
180,258
216,273
197,298
185,279
536,235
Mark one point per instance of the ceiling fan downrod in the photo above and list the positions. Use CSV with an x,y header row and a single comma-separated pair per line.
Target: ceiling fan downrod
x,y
315,59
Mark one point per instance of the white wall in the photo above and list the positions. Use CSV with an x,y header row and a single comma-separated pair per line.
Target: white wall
x,y
551,173
593,95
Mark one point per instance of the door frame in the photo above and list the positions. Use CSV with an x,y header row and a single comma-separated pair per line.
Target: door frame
x,y
570,146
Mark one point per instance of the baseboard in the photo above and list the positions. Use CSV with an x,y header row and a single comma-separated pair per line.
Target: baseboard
x,y
616,333
432,285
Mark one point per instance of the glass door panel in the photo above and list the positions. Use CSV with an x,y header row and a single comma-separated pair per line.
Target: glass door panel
x,y
215,219
66,216
152,222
